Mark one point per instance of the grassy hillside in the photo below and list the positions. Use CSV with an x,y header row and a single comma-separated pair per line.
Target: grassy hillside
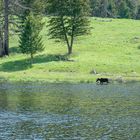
x,y
112,50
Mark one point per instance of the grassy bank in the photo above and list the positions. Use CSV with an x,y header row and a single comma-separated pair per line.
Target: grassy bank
x,y
112,50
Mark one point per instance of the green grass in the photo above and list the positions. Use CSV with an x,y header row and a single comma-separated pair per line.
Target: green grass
x,y
112,49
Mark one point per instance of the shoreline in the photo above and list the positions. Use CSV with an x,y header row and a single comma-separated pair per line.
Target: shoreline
x,y
112,79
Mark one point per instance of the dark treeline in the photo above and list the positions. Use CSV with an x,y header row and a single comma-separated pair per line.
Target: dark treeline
x,y
116,8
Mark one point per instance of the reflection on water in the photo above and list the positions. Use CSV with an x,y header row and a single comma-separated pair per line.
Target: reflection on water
x,y
70,112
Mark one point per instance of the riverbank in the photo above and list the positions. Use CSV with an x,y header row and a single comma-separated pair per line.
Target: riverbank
x,y
111,50
67,78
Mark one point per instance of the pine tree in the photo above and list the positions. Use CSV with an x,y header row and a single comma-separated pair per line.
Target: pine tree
x,y
138,13
123,10
30,39
112,9
68,20
115,8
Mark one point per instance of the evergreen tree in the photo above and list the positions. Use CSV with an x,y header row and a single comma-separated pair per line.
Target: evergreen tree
x,y
123,10
115,8
112,9
68,20
95,7
104,8
138,13
30,39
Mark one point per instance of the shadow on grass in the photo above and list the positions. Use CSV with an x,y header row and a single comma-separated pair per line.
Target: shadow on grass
x,y
19,65
14,50
50,58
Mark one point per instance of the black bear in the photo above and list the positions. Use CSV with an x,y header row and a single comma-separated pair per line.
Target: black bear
x,y
102,80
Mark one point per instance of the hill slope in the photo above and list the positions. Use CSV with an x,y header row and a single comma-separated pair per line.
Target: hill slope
x,y
112,50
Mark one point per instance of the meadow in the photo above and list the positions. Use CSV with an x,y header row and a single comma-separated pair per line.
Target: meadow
x,y
112,49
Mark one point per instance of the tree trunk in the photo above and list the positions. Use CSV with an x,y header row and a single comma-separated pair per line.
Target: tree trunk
x,y
31,59
6,27
66,37
70,50
71,46
1,44
71,42
1,48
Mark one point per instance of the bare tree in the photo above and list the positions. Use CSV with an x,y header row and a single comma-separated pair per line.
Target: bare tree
x,y
1,26
9,9
1,43
6,27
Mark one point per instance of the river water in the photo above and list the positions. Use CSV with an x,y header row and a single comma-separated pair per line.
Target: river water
x,y
34,111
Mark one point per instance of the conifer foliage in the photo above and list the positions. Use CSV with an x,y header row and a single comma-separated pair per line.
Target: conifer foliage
x,y
30,39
